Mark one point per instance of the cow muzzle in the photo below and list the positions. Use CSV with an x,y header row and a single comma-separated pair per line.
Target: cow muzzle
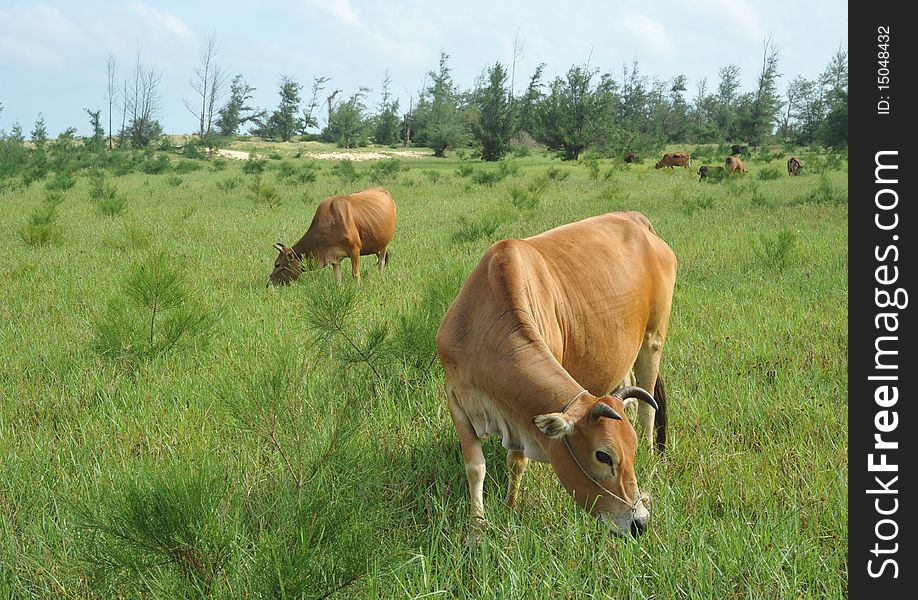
x,y
632,523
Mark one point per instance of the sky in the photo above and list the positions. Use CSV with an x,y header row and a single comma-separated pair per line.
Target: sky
x,y
53,54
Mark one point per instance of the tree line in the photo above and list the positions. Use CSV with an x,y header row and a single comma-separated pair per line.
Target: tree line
x,y
584,109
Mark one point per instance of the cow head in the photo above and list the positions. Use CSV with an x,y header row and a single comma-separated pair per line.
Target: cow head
x,y
592,450
287,266
659,165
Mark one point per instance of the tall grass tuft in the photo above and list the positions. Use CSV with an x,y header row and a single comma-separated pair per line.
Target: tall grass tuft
x,y
774,252
824,193
42,228
485,225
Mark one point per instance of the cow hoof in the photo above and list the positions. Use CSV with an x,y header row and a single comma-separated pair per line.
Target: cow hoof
x,y
477,526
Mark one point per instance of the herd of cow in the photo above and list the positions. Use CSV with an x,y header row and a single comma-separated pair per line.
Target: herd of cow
x,y
732,164
547,341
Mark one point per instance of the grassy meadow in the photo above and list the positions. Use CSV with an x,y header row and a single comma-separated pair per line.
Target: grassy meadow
x,y
170,428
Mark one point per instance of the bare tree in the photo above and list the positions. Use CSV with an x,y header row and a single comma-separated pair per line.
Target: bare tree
x,y
208,82
124,109
309,118
142,105
518,55
110,93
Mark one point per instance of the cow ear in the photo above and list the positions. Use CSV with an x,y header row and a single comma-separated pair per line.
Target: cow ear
x,y
554,425
279,247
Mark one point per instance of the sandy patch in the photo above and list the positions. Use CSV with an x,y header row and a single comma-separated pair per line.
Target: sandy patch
x,y
343,155
234,154
368,155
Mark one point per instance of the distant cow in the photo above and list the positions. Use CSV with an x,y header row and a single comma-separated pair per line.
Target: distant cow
x,y
632,157
794,165
734,164
675,159
737,149
706,171
343,226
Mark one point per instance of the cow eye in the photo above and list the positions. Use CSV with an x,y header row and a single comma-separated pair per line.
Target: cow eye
x,y
603,457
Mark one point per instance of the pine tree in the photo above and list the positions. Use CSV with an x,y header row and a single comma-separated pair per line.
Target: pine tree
x,y
493,128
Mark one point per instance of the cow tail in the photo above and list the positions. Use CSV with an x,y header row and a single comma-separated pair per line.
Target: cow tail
x,y
659,424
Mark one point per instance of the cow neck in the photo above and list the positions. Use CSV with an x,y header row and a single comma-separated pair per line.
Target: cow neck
x,y
307,244
529,377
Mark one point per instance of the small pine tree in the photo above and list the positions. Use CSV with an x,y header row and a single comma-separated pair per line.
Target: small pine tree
x,y
39,132
493,129
153,315
97,141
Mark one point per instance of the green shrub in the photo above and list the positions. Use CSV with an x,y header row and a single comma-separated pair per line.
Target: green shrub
x,y
157,519
254,165
219,164
484,226
228,184
432,175
112,206
42,228
174,180
508,168
557,174
186,166
155,166
345,171
384,170
60,181
465,170
487,177
823,193
520,151
769,174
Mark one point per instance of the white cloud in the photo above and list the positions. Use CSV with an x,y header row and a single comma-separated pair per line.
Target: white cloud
x,y
166,20
647,34
39,35
342,10
738,17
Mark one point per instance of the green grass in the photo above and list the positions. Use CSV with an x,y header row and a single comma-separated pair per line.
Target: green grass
x,y
298,455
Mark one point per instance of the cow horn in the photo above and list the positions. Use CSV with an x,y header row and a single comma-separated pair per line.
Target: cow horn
x,y
279,247
632,391
601,409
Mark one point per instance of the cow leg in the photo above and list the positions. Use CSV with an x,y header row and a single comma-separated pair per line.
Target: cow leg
x,y
516,465
354,255
336,267
474,464
381,257
646,368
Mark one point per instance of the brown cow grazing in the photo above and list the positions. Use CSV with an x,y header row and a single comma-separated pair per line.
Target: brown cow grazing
x,y
632,157
705,171
734,164
676,159
542,329
343,226
794,165
737,149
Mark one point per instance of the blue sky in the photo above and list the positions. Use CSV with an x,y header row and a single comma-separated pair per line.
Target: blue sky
x,y
53,53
